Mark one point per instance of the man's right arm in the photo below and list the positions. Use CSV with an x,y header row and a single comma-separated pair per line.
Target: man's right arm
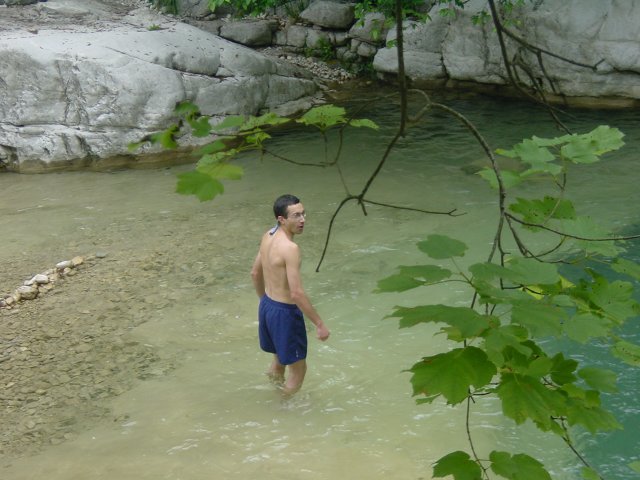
x,y
257,276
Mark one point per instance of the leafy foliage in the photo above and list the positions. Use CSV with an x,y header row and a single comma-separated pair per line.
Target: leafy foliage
x,y
519,303
232,136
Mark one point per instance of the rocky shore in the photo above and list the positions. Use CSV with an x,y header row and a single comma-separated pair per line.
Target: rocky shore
x,y
62,357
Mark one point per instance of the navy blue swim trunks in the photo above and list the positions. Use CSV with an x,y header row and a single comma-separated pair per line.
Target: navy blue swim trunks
x,y
282,331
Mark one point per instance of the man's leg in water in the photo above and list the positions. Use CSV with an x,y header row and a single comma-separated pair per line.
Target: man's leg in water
x,y
276,371
295,377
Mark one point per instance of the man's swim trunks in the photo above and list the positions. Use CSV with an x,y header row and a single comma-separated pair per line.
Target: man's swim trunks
x,y
281,330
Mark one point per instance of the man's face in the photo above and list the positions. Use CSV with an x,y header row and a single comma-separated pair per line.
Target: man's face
x,y
295,218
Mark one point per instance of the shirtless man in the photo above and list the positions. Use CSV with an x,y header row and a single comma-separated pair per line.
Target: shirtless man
x,y
276,278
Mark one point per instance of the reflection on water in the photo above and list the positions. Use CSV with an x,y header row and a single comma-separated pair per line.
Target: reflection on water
x,y
215,415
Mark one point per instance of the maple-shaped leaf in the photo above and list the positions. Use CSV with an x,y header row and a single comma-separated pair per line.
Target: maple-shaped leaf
x,y
627,352
201,126
614,298
324,116
459,465
497,339
524,397
441,247
363,122
582,327
411,277
452,374
599,378
509,178
540,211
467,321
563,369
593,417
541,319
627,267
222,170
518,466
199,184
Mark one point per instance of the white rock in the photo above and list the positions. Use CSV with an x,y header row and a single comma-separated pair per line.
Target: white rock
x,y
40,279
64,264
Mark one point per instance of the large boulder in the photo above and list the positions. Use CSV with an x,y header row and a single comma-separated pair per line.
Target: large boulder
x,y
329,14
83,93
252,33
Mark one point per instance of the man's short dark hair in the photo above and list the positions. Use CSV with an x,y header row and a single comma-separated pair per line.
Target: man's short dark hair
x,y
282,203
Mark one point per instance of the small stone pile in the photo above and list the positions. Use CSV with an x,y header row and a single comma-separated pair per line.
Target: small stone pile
x,y
332,73
43,282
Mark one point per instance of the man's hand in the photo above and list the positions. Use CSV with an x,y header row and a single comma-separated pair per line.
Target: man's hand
x,y
322,332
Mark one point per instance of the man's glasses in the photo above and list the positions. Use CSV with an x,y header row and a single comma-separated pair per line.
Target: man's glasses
x,y
298,215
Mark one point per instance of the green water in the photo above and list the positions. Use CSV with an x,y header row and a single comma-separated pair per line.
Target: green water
x,y
215,416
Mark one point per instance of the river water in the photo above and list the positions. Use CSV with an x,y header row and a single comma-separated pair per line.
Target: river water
x,y
215,416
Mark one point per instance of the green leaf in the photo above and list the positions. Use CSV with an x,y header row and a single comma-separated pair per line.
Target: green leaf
x,y
635,466
562,371
497,339
412,277
524,397
268,119
186,109
451,374
509,178
589,474
201,127
490,294
363,122
517,467
593,418
626,267
585,227
323,117
166,138
615,299
466,321
441,247
579,150
232,121
459,465
585,326
529,271
599,378
212,147
196,183
540,318
540,211
627,352
222,170
539,158
398,283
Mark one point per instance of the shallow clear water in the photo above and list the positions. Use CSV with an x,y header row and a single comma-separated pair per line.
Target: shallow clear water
x,y
216,416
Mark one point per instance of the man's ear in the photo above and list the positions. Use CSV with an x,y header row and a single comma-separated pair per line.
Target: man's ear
x,y
280,219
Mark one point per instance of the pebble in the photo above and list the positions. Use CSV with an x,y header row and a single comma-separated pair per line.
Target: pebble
x,y
64,264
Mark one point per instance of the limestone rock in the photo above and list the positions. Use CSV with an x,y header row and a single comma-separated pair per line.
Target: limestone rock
x,y
372,30
255,33
603,35
83,93
329,14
